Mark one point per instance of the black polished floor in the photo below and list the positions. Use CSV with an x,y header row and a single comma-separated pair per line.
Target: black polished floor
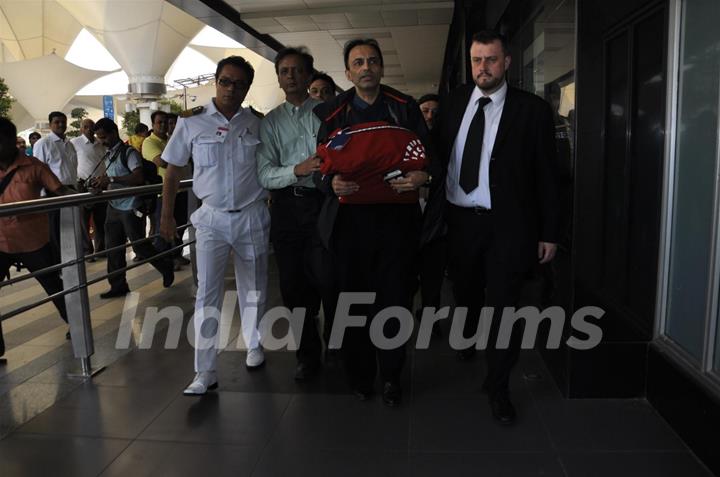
x,y
133,420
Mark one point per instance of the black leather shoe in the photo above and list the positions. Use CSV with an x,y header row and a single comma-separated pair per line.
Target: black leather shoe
x,y
114,293
392,394
502,409
168,277
333,358
466,354
363,393
306,371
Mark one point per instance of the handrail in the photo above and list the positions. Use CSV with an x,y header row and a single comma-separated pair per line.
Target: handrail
x,y
81,198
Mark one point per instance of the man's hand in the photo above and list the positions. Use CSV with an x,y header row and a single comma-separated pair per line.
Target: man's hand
x,y
546,252
341,187
167,228
307,167
100,182
410,181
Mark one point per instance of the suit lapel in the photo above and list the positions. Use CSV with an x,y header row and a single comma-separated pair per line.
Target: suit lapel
x,y
510,111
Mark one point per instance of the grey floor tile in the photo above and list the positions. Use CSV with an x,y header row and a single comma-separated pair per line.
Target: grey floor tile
x,y
607,425
174,459
635,464
31,455
466,425
150,368
486,465
281,460
322,422
247,419
96,411
25,401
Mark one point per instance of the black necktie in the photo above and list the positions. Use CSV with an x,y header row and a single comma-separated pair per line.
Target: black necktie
x,y
470,167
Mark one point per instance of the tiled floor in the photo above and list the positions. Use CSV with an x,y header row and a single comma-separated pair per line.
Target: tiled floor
x,y
132,419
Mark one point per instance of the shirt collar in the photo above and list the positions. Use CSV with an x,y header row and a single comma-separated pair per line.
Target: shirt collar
x,y
55,137
212,109
309,103
497,98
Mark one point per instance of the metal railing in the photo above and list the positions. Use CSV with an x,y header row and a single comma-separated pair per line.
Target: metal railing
x,y
74,273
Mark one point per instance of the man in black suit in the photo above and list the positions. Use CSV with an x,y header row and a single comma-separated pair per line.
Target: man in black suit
x,y
497,149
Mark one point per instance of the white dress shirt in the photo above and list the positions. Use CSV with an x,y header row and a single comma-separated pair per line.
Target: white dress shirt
x,y
89,155
223,152
59,154
480,197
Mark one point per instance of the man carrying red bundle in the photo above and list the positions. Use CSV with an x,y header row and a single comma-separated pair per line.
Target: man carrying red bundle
x,y
374,243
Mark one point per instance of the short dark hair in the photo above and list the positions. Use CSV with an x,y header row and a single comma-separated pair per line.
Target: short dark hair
x,y
300,51
141,128
56,114
172,116
154,115
106,125
239,62
486,37
34,134
8,129
360,42
320,75
428,97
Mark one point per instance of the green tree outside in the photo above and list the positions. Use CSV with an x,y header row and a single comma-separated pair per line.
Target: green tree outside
x,y
6,100
78,114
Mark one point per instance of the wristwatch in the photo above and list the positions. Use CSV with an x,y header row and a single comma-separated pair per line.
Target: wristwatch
x,y
111,179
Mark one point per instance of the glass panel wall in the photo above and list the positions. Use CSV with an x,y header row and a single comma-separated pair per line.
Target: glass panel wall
x,y
695,176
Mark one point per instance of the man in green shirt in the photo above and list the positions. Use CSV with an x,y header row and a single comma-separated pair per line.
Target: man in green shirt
x,y
286,161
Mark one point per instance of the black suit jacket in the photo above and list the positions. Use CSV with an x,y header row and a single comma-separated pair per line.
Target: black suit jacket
x,y
523,175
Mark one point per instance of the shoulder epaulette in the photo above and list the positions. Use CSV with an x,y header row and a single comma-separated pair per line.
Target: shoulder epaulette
x,y
192,112
256,113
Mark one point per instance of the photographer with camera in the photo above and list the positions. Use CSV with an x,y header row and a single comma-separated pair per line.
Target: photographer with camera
x,y
124,169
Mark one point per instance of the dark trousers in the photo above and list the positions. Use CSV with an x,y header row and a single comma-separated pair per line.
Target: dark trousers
x,y
181,218
481,278
34,261
121,225
375,247
433,261
97,213
54,223
303,263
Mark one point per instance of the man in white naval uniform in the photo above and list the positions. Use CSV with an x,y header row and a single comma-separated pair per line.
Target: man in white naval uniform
x,y
222,138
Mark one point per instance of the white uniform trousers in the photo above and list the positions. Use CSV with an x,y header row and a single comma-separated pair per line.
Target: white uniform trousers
x,y
246,233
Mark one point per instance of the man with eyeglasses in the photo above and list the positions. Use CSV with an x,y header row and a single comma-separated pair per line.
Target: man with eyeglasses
x,y
222,138
373,244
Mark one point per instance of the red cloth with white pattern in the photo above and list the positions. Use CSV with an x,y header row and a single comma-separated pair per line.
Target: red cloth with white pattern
x,y
365,152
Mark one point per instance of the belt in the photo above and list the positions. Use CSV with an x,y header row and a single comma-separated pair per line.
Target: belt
x,y
477,210
298,191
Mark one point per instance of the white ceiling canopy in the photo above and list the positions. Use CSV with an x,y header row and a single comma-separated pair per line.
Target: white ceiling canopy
x,y
34,28
33,91
144,36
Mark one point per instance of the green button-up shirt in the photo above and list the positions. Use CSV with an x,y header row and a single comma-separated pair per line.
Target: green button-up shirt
x,y
288,136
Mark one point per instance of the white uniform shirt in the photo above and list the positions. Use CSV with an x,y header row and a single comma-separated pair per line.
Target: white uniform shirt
x,y
493,112
60,155
223,152
89,155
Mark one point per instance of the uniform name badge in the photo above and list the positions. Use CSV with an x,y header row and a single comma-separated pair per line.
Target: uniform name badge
x,y
221,132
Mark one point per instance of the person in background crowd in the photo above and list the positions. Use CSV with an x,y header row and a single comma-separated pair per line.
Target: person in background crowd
x,y
286,161
222,138
172,121
141,132
33,138
502,214
24,238
152,149
374,245
322,87
20,143
58,153
123,168
429,106
90,155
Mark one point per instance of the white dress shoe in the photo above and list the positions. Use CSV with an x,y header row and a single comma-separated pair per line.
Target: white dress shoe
x,y
203,381
255,358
